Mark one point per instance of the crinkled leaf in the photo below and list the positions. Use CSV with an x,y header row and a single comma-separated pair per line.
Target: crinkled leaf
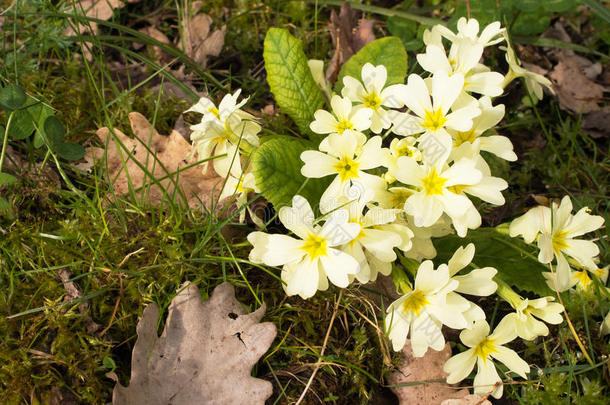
x,y
205,354
70,151
388,51
515,260
12,97
6,178
406,30
290,79
277,169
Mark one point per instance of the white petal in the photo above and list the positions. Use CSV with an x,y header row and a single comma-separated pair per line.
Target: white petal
x,y
324,122
461,258
461,119
338,265
478,282
417,97
511,360
487,376
301,278
500,146
460,366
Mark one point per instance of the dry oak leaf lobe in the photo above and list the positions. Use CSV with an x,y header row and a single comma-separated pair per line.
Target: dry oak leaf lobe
x,y
163,156
204,355
418,369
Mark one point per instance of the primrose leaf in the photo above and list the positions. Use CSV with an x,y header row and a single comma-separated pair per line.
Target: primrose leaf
x,y
277,170
4,205
6,178
515,260
290,79
388,51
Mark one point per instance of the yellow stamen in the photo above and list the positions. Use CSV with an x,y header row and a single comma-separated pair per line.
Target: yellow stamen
x,y
347,168
462,137
434,120
433,184
559,241
372,101
344,125
214,111
415,302
485,348
583,277
399,197
315,246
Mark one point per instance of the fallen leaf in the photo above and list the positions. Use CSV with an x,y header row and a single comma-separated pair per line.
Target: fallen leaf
x,y
420,369
347,37
204,355
163,157
597,123
200,43
575,91
467,400
73,292
160,56
100,9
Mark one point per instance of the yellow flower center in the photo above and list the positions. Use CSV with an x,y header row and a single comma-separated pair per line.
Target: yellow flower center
x,y
559,241
360,235
315,246
344,125
583,277
433,184
399,197
485,348
347,168
415,302
462,137
457,189
214,111
403,149
372,101
434,120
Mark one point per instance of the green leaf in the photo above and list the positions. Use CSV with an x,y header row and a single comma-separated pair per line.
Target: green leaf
x,y
563,6
4,205
70,151
530,24
40,115
277,170
406,30
290,79
528,6
6,178
108,362
515,260
388,51
12,97
54,130
25,119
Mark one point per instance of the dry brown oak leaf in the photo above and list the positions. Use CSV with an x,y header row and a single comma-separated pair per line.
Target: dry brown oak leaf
x,y
419,369
200,42
204,355
166,163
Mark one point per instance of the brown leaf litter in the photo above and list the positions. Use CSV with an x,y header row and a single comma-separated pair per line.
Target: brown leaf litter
x,y
349,34
166,162
429,367
205,354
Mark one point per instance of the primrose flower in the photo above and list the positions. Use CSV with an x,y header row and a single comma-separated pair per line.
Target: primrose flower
x,y
374,246
344,119
436,190
432,118
556,229
533,81
310,261
526,319
373,94
240,188
345,159
490,116
220,132
422,312
400,147
483,349
468,29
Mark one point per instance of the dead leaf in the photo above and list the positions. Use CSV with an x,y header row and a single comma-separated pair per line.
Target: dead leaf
x,y
575,91
467,400
73,292
160,56
347,38
166,163
204,355
597,123
200,43
100,9
419,369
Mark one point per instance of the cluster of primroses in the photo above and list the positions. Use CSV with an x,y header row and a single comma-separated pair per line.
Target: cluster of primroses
x,y
404,160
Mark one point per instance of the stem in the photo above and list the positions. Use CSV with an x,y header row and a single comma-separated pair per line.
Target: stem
x,y
580,344
5,140
508,294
